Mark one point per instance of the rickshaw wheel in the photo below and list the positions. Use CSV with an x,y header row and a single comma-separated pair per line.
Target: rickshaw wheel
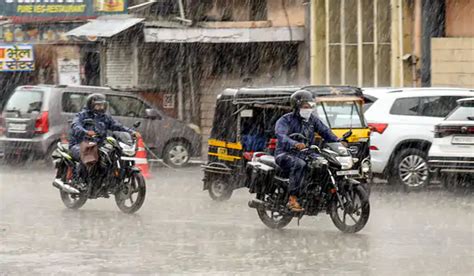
x,y
219,190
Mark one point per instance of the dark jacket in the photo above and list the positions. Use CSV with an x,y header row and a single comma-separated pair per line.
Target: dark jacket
x,y
103,123
293,123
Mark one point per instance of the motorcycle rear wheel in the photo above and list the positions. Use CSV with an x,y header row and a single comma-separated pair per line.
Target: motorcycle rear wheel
x,y
73,201
359,206
274,219
125,195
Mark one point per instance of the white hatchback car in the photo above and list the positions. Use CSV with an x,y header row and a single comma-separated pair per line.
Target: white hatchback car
x,y
402,122
452,150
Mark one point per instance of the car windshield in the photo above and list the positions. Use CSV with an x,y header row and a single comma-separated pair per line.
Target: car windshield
x,y
25,102
340,114
462,113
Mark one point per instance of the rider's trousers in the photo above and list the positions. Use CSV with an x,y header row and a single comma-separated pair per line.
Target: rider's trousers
x,y
295,166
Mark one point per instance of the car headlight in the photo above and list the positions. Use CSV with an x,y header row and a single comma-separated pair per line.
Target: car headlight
x,y
127,150
346,162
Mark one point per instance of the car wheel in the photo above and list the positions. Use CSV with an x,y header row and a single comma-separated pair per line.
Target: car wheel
x,y
177,154
410,169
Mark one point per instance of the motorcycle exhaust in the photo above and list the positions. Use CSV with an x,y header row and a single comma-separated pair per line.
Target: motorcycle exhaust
x,y
256,203
58,183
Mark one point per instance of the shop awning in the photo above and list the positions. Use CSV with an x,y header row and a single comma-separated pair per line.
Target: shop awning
x,y
105,26
224,35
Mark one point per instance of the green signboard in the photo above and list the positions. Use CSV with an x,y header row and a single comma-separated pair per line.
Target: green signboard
x,y
61,8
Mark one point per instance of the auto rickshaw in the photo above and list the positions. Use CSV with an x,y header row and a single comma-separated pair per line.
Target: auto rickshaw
x,y
244,123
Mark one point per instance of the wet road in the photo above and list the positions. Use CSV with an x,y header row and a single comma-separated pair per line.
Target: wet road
x,y
180,230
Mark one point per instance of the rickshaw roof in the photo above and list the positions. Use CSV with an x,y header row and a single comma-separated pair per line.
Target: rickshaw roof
x,y
281,94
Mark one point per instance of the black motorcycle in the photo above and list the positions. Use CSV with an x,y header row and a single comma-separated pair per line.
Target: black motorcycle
x,y
114,174
327,187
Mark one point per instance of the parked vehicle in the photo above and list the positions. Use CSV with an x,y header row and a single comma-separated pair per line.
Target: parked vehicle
x,y
328,187
452,151
340,107
402,122
35,117
114,173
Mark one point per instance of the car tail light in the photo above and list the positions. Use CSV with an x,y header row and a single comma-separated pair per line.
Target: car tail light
x,y
378,127
373,148
443,131
42,123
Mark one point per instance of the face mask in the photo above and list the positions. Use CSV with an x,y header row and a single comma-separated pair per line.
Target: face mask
x,y
306,113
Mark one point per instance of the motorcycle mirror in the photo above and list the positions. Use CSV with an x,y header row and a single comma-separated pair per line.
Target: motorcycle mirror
x,y
89,122
137,124
297,136
347,135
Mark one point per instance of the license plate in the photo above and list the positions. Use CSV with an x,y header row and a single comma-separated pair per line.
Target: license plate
x,y
463,140
222,151
16,127
349,172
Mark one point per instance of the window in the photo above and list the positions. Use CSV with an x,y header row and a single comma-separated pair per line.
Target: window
x,y
438,106
406,106
126,106
25,102
339,114
462,113
73,102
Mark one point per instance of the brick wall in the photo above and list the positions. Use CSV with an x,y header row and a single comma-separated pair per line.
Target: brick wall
x,y
452,62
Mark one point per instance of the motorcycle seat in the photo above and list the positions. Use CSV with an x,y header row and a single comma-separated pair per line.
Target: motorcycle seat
x,y
269,161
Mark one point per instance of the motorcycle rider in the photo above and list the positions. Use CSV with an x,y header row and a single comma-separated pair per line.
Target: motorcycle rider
x,y
95,108
300,120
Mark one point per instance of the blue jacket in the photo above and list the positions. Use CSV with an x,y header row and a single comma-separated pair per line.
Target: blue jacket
x,y
103,122
292,123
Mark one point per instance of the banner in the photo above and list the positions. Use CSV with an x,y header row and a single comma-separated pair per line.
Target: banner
x,y
69,71
16,57
61,8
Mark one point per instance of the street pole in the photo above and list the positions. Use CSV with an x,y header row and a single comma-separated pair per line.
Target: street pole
x,y
312,35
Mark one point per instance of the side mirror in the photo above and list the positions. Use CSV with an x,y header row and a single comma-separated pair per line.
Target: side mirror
x,y
89,122
298,137
137,124
347,135
152,114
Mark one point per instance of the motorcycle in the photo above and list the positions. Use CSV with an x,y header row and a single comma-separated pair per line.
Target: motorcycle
x,y
114,173
327,187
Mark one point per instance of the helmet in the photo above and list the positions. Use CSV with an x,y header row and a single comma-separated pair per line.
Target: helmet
x,y
95,99
300,97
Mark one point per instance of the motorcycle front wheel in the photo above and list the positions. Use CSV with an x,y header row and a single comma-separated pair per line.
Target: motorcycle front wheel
x,y
352,215
131,197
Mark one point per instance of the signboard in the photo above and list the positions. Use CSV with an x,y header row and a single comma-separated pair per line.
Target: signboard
x,y
61,8
16,57
168,101
69,71
36,33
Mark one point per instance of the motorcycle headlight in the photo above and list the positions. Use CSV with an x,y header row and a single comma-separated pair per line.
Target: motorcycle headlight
x,y
365,166
346,162
127,149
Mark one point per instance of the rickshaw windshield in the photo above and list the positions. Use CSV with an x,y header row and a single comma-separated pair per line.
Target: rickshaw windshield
x,y
340,114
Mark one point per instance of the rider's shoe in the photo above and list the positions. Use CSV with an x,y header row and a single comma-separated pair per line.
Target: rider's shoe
x,y
78,184
293,204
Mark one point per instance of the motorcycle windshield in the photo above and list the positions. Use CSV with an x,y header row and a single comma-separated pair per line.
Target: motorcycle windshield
x,y
124,137
339,148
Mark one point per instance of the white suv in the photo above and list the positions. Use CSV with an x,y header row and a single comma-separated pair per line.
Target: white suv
x,y
402,122
452,152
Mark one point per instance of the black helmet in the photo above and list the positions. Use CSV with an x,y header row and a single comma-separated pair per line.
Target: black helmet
x,y
94,99
300,97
